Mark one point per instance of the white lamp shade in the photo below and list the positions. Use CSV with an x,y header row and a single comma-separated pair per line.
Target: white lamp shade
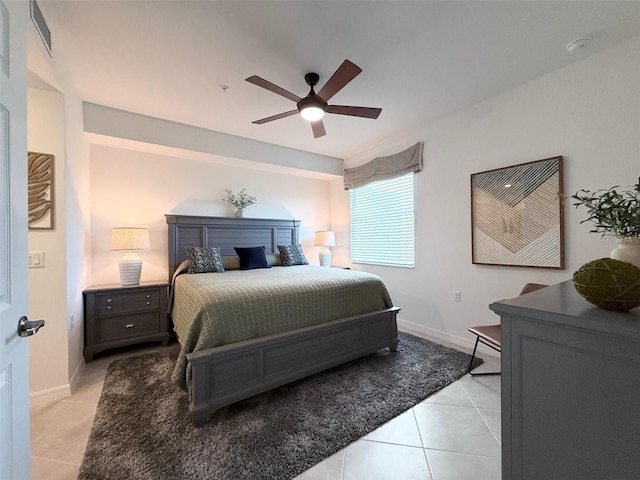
x,y
130,238
325,238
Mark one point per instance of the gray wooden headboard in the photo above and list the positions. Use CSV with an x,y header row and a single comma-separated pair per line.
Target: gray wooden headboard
x,y
225,233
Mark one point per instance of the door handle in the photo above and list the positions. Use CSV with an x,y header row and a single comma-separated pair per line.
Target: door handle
x,y
26,327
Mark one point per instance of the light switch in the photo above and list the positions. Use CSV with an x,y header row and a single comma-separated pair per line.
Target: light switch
x,y
36,259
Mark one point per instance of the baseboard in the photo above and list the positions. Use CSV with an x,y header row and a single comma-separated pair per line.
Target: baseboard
x,y
50,394
63,391
444,338
75,378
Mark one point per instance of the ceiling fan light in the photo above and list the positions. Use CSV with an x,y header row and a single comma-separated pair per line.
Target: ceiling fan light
x,y
312,114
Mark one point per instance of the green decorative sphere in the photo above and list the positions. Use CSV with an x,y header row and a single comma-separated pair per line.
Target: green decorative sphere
x,y
609,284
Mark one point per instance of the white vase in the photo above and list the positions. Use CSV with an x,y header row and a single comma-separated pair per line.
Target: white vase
x,y
240,212
628,250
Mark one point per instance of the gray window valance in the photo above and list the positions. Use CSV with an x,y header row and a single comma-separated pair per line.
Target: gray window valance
x,y
384,168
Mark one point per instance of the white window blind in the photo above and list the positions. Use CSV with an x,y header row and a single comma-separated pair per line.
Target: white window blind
x,y
382,222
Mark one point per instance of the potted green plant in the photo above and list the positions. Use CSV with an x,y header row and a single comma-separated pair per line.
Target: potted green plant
x,y
241,200
615,212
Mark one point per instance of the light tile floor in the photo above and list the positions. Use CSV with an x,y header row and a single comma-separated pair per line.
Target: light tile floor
x,y
452,435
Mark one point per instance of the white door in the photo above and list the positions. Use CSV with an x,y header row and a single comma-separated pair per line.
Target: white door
x,y
14,352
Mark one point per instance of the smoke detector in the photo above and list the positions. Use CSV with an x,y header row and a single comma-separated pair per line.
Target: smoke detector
x,y
577,44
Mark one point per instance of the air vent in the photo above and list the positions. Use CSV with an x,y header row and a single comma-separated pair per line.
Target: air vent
x,y
41,25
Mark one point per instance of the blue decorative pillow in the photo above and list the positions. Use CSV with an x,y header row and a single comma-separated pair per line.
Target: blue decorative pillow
x,y
204,260
252,257
292,255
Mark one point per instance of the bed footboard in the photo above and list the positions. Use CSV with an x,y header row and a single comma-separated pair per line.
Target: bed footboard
x,y
224,375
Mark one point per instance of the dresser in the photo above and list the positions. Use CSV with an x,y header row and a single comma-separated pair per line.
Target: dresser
x,y
570,388
115,316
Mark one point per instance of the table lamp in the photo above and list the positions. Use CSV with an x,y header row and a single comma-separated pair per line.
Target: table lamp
x,y
131,239
325,239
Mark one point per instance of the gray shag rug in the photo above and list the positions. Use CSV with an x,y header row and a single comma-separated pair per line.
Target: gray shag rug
x,y
142,428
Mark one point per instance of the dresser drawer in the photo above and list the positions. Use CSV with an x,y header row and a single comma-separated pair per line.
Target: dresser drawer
x,y
115,328
117,303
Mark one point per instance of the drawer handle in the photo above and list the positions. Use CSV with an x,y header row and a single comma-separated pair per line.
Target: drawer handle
x,y
148,295
108,300
129,325
109,307
148,303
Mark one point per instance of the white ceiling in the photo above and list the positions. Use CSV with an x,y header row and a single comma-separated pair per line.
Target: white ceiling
x,y
421,59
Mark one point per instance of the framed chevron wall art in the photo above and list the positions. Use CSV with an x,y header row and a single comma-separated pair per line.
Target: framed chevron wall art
x,y
517,216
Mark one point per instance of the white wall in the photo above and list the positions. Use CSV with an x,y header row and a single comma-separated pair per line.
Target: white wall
x,y
78,216
132,188
47,286
588,112
55,293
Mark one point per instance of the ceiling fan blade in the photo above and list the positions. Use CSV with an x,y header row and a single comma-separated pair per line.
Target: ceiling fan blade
x,y
272,87
318,129
276,117
343,75
365,112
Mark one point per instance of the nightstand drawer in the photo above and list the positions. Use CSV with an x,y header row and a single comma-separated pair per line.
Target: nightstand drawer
x,y
117,303
127,326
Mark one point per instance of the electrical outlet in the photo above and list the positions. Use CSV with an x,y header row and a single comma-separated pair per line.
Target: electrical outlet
x,y
71,322
457,296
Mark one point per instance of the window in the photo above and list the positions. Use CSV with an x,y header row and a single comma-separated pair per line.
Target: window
x,y
382,222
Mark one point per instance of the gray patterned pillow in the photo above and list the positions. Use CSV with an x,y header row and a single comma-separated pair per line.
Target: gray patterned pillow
x,y
204,260
292,255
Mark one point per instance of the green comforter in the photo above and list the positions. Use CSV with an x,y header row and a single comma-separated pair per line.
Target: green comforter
x,y
213,309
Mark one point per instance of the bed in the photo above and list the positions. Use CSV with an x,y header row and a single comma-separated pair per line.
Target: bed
x,y
217,375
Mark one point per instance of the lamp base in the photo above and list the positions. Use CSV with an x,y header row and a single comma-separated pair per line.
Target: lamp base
x,y
130,268
325,257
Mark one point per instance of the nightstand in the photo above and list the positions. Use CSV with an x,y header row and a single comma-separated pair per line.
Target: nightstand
x,y
115,316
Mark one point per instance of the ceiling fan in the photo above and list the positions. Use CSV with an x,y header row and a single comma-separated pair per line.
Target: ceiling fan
x,y
314,105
